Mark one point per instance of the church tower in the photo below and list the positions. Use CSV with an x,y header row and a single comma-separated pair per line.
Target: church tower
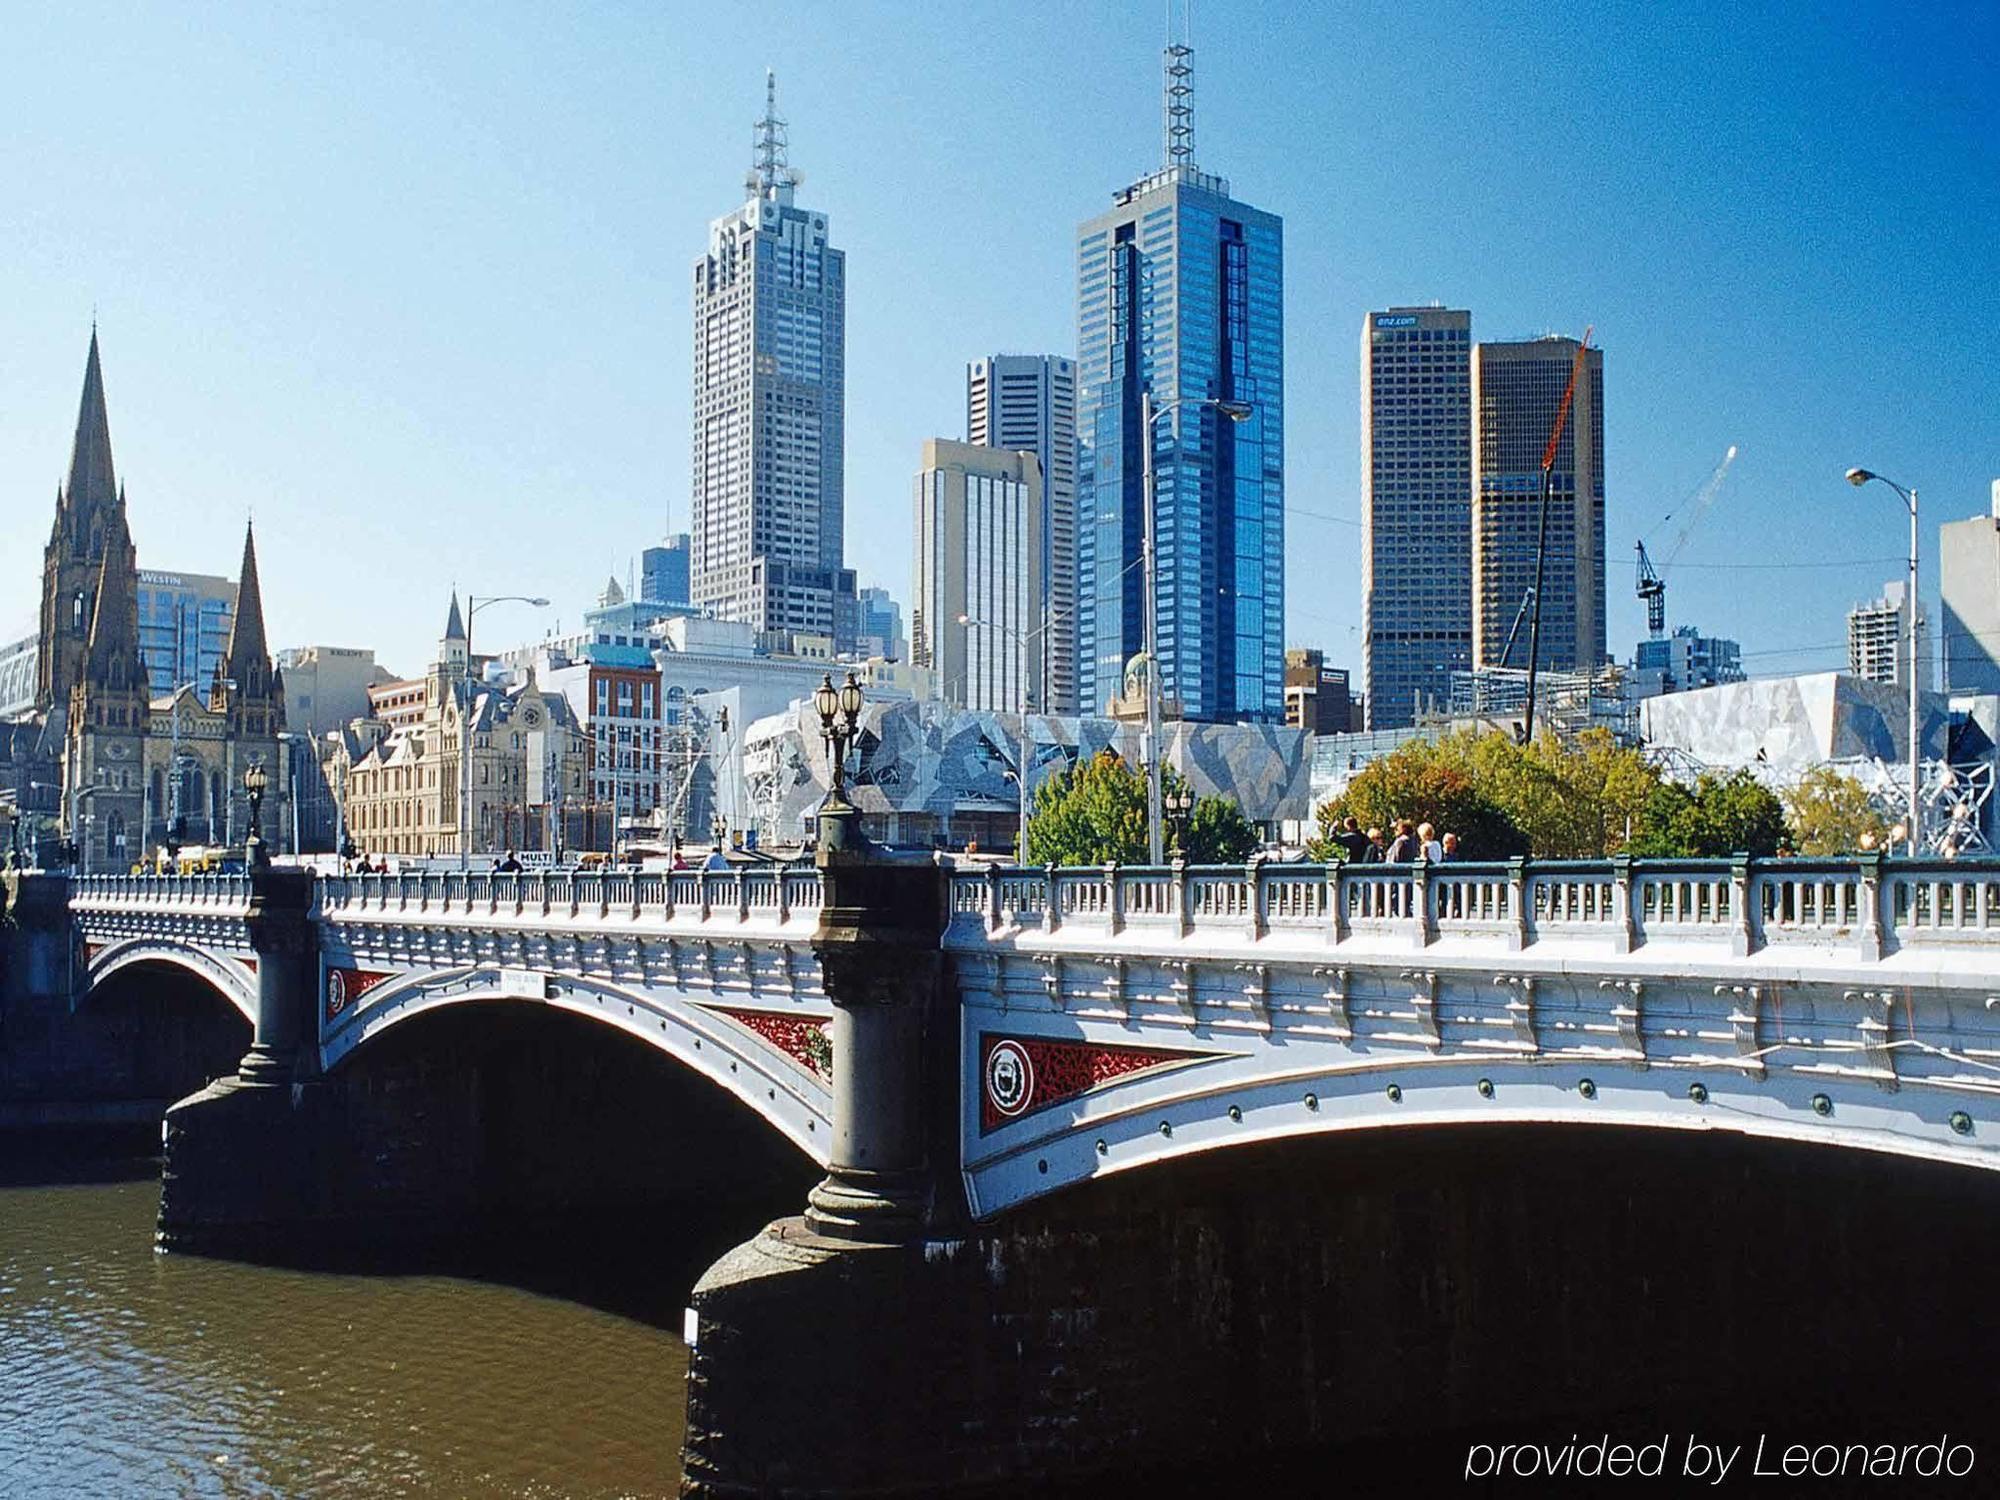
x,y
75,555
109,706
247,688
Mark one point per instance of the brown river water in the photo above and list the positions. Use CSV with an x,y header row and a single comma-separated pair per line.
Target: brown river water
x,y
125,1372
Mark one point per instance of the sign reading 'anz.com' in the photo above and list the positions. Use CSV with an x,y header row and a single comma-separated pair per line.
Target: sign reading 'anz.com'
x,y
1397,320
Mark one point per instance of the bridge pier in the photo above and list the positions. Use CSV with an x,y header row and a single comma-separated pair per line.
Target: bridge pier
x,y
242,1171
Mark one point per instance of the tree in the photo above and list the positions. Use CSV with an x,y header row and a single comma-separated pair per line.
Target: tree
x,y
1721,816
1094,813
1831,814
1217,833
1426,783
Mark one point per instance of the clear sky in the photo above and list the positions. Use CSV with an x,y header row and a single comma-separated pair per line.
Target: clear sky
x,y
412,282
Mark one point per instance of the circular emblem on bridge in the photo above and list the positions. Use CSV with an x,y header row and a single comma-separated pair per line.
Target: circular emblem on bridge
x,y
1010,1078
336,992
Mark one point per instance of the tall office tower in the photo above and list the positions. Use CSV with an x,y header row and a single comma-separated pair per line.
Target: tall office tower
x,y
1027,403
1416,508
978,575
880,630
1878,638
1969,575
663,571
770,300
1180,294
1517,389
184,626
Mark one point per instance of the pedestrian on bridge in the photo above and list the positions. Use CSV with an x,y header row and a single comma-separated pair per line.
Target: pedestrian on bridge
x,y
1403,848
1352,842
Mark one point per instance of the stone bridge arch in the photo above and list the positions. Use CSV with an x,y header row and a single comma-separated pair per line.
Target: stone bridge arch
x,y
232,978
790,1096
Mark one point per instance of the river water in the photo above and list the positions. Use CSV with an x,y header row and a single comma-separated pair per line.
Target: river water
x,y
125,1372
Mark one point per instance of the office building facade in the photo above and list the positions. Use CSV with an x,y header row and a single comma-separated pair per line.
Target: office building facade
x,y
1878,638
770,299
1318,698
1180,295
184,621
1517,390
1416,509
978,575
664,572
1686,660
1027,403
880,631
1969,579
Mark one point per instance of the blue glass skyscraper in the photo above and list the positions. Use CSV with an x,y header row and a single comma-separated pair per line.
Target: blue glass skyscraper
x,y
1180,291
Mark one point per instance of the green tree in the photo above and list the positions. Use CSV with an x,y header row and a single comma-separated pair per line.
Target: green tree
x,y
1094,813
1830,814
1217,833
1426,783
1723,815
1578,799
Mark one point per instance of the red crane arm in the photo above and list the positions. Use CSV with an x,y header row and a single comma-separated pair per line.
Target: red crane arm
x,y
1562,412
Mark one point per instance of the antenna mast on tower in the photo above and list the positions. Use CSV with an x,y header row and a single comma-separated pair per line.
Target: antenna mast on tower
x,y
1180,84
771,170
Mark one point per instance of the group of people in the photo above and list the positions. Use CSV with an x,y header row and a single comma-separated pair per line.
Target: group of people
x,y
1412,841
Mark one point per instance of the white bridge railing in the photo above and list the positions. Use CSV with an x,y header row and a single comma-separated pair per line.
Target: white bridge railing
x,y
771,895
1865,906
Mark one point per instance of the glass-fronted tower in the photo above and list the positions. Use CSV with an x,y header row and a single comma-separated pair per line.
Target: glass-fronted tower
x,y
1027,403
1416,508
770,307
1180,291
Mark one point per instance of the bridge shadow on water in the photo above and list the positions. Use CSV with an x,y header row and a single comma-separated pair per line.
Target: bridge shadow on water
x,y
544,1150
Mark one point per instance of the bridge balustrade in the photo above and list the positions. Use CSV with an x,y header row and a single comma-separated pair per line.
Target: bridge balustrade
x,y
576,896
1869,904
190,891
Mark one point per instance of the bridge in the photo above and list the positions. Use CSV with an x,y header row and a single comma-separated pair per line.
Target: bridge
x,y
1006,1074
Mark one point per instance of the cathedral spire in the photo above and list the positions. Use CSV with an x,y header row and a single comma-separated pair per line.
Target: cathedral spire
x,y
114,661
92,481
454,626
248,659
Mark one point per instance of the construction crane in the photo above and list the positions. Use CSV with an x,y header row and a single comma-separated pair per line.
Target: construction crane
x,y
1651,583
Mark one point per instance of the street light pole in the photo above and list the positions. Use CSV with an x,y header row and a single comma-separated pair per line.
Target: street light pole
x,y
1914,829
1236,411
472,608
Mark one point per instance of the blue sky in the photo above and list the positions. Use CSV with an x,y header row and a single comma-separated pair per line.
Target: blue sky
x,y
411,283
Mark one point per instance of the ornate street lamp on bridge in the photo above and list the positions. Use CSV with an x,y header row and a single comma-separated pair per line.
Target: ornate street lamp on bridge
x,y
840,726
1913,825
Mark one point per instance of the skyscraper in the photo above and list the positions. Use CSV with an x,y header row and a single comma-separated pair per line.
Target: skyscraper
x,y
978,575
1180,294
1878,638
1517,389
1416,508
1027,403
770,300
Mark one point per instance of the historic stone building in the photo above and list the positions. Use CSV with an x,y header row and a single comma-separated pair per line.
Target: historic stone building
x,y
401,786
115,770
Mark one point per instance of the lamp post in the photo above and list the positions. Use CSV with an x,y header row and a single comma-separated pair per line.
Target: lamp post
x,y
1914,823
1027,748
840,726
1179,805
1236,411
255,855
472,608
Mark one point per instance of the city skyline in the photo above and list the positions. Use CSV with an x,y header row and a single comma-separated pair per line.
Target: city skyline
x,y
363,404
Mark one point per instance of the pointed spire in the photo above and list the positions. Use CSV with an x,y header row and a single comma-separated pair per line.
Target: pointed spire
x,y
454,627
1179,80
248,660
114,659
769,170
92,481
